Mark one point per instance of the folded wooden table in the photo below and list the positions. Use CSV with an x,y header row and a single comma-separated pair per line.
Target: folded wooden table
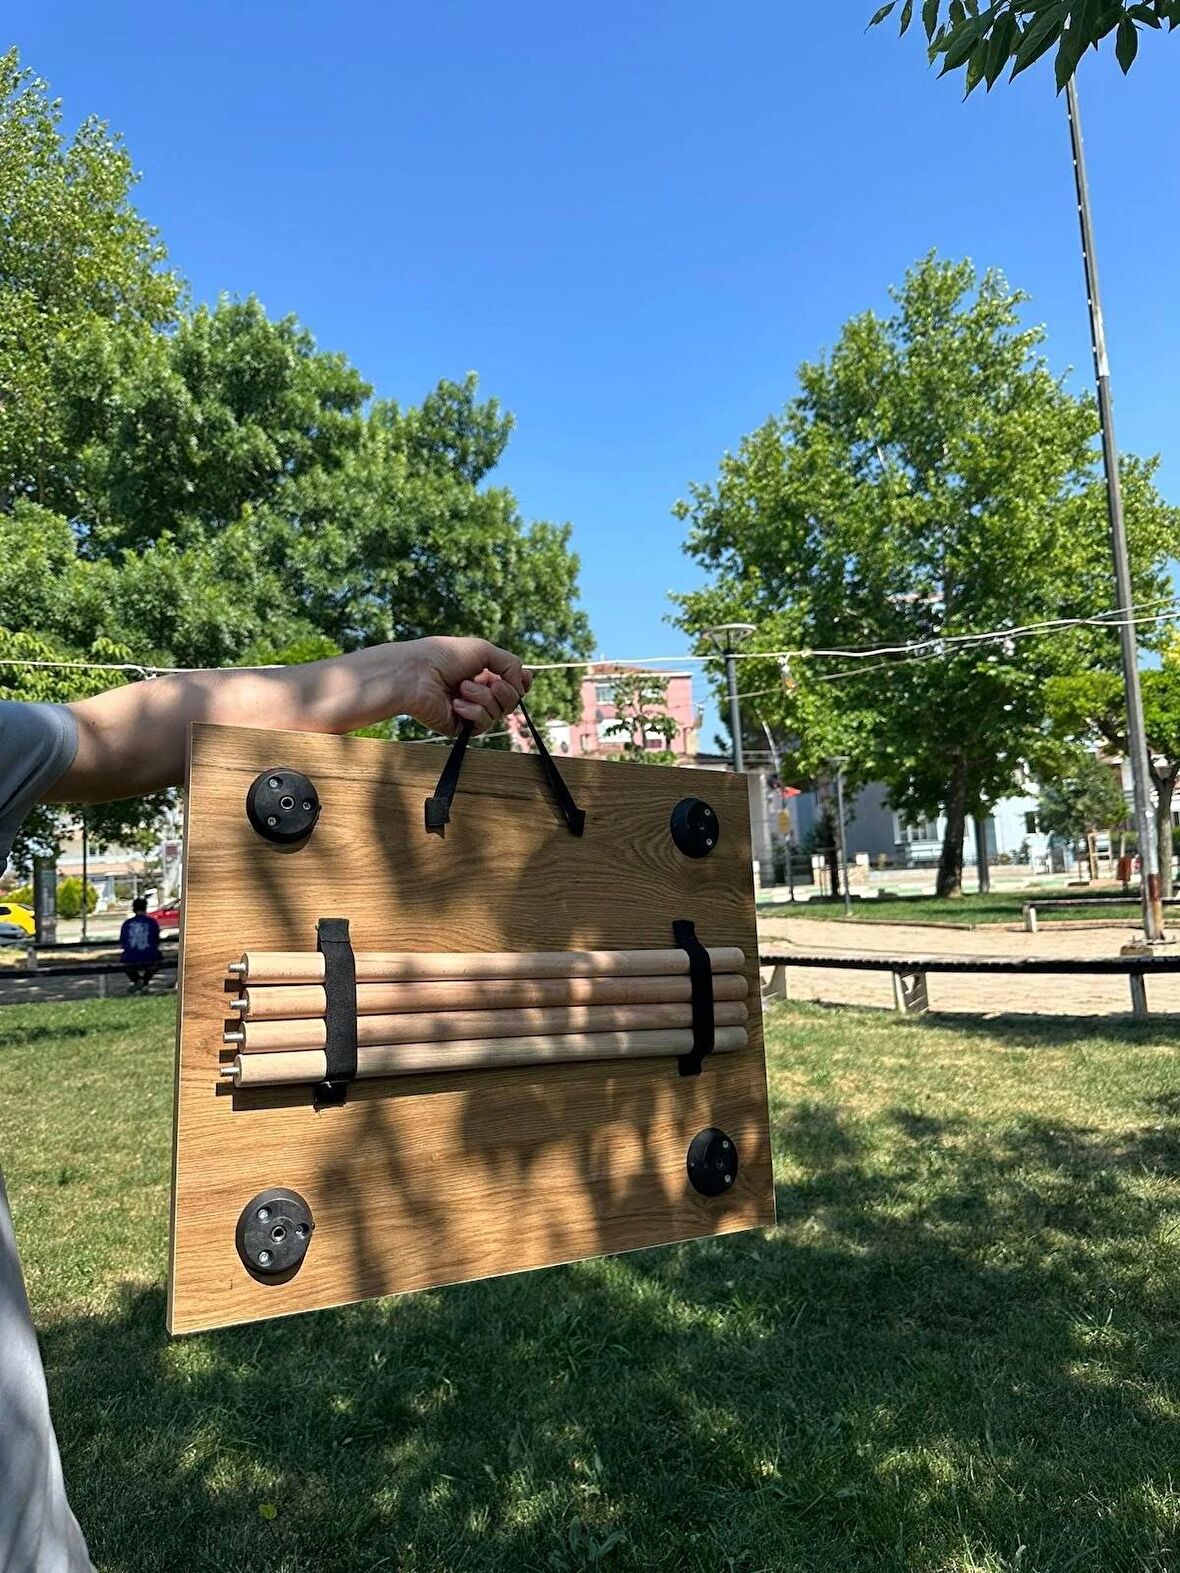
x,y
415,1048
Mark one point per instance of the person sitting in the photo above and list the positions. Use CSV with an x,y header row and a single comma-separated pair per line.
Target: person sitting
x,y
139,939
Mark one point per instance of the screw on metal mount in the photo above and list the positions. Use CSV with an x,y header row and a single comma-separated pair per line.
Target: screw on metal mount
x,y
712,1162
695,827
283,806
274,1232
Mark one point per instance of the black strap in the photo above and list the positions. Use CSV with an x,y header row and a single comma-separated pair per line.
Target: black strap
x,y
574,816
438,807
334,945
700,973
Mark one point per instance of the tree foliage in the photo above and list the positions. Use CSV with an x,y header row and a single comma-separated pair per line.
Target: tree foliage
x,y
207,487
1088,706
1084,798
69,897
931,479
642,722
76,260
983,41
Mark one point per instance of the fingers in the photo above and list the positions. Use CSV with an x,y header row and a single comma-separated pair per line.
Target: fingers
x,y
485,700
506,665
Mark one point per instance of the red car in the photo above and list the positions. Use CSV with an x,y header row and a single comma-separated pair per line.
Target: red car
x,y
168,917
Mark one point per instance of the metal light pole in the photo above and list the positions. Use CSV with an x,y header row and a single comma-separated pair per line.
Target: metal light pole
x,y
85,876
725,637
840,760
1153,912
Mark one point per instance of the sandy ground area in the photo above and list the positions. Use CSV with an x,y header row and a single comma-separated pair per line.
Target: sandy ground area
x,y
1067,995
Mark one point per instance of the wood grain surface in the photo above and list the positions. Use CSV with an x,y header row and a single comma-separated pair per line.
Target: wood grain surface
x,y
436,1178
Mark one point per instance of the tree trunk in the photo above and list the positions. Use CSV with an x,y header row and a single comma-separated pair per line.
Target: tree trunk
x,y
982,868
1165,786
1092,854
832,853
950,864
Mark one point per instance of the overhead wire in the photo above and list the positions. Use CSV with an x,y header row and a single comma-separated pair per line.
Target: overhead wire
x,y
932,647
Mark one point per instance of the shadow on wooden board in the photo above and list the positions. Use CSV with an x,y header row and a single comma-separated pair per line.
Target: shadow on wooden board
x,y
421,1180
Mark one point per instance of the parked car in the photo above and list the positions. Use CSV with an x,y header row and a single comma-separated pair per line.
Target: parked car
x,y
167,916
13,915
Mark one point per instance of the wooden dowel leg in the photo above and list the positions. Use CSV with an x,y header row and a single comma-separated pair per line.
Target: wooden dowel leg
x,y
411,966
291,1002
413,1059
460,1024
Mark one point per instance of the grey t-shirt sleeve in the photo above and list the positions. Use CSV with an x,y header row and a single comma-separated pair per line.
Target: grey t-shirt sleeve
x,y
37,747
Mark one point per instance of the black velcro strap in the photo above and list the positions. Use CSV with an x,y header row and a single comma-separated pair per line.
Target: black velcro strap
x,y
334,945
438,807
574,816
700,973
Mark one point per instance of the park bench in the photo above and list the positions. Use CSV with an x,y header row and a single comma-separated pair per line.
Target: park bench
x,y
910,994
1029,909
100,971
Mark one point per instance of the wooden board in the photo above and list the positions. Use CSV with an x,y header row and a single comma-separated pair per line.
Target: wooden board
x,y
433,1179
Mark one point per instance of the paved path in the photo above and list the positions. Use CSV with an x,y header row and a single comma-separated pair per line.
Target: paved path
x,y
1045,995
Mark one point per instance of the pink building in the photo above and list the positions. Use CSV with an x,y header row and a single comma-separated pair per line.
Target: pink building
x,y
592,734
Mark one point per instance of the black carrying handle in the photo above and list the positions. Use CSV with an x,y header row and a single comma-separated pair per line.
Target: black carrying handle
x,y
438,807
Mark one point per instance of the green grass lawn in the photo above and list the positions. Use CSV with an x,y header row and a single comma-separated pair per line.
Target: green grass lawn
x,y
958,1350
970,910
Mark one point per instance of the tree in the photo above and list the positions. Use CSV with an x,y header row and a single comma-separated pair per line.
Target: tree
x,y
69,897
822,839
1090,705
187,434
1018,32
641,718
931,480
207,487
1084,799
288,508
76,260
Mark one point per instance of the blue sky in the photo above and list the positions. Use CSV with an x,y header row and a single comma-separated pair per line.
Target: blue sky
x,y
632,220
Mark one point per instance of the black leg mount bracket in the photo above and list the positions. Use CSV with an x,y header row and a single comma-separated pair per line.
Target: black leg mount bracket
x,y
282,806
273,1234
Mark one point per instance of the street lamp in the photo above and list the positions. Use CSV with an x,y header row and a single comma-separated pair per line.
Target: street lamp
x,y
1137,750
838,761
726,637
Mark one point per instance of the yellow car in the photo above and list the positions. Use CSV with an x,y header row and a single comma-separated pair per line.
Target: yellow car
x,y
17,917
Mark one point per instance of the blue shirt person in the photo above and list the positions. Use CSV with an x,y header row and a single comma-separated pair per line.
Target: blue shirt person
x,y
139,939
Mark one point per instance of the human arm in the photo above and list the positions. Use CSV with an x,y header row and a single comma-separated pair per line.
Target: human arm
x,y
133,739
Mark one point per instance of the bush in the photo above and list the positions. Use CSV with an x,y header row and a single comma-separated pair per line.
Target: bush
x,y
69,897
22,896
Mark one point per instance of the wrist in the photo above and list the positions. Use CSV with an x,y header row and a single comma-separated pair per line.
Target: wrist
x,y
389,679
